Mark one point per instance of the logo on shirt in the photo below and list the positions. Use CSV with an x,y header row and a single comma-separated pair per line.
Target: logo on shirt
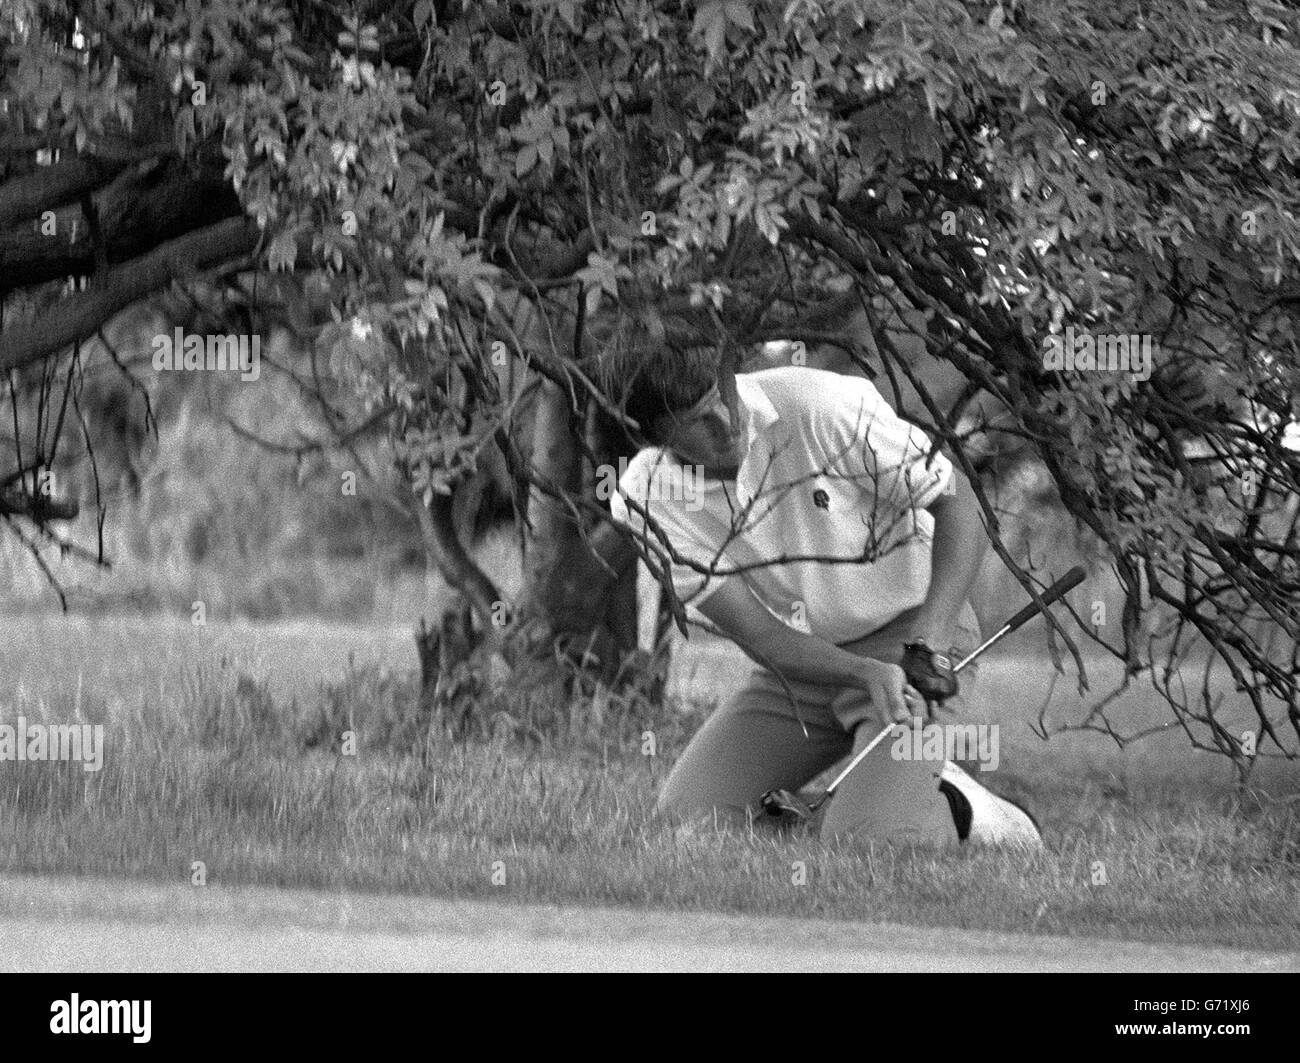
x,y
821,499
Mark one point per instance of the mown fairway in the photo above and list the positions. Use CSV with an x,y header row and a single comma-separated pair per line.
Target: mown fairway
x,y
222,747
60,923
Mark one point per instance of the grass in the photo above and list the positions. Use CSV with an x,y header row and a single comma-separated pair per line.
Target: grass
x,y
215,756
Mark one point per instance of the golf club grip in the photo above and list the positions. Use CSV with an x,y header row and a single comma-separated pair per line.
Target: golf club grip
x,y
1061,587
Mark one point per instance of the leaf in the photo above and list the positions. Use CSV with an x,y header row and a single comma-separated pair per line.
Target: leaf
x,y
283,251
711,20
526,159
739,12
566,9
768,224
599,272
485,292
654,325
715,38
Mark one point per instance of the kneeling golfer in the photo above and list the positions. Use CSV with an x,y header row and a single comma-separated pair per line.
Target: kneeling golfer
x,y
830,544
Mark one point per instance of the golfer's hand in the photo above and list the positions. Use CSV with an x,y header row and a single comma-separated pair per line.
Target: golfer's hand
x,y
887,686
929,672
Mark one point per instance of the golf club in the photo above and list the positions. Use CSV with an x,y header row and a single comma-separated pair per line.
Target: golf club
x,y
777,802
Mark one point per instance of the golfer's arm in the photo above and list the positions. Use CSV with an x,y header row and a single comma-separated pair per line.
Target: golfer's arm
x,y
958,551
738,614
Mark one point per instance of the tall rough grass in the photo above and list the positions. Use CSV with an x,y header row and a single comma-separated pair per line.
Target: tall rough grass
x,y
259,789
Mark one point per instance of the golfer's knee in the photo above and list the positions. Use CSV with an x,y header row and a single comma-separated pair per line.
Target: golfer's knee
x,y
715,816
683,807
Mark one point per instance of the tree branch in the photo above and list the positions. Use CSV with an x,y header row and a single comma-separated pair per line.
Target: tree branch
x,y
79,318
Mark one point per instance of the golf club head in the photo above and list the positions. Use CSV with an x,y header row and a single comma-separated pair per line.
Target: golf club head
x,y
786,803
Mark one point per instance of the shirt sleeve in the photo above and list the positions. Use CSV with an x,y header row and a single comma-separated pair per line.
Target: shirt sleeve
x,y
645,482
887,457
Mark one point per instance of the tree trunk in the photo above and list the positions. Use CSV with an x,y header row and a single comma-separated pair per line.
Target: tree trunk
x,y
591,615
572,601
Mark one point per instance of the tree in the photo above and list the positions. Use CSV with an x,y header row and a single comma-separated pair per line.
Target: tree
x,y
502,206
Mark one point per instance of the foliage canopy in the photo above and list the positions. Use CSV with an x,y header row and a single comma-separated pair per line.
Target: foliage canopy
x,y
602,185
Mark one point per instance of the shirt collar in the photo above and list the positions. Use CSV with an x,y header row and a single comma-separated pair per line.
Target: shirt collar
x,y
759,413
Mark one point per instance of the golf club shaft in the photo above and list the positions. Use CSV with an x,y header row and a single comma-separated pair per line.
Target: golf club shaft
x,y
855,762
1062,586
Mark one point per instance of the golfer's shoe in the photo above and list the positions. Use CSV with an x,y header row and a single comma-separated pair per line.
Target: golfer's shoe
x,y
984,818
785,803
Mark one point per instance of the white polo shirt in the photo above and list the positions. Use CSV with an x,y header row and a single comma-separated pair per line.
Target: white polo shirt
x,y
831,472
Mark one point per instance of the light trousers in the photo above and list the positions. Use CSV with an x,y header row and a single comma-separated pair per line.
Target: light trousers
x,y
756,742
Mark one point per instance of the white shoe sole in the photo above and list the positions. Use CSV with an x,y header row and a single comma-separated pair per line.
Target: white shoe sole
x,y
994,820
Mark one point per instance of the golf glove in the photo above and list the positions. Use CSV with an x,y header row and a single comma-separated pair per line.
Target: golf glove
x,y
929,672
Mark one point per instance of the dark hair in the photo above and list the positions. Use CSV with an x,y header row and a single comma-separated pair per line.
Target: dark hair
x,y
665,382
